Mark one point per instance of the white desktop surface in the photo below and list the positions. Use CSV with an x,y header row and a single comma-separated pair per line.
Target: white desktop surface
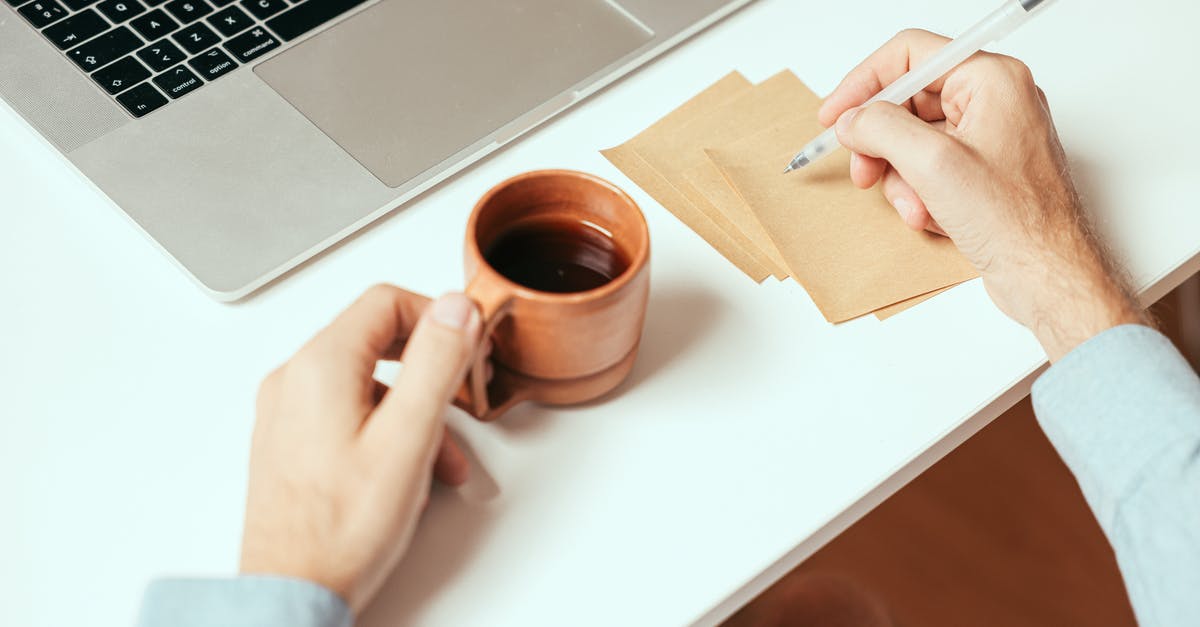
x,y
750,433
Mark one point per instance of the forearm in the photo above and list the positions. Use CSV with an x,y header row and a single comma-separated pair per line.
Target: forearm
x,y
1123,410
245,601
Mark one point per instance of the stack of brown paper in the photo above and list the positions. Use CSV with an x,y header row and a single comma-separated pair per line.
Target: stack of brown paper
x,y
716,162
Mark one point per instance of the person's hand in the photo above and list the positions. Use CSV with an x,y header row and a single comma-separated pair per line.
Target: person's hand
x,y
340,465
975,156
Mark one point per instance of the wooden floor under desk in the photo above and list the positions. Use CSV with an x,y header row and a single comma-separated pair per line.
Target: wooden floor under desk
x,y
996,533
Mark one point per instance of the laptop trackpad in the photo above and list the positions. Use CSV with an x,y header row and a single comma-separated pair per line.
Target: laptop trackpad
x,y
405,85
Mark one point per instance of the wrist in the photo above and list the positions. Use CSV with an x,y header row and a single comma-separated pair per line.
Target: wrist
x,y
1082,303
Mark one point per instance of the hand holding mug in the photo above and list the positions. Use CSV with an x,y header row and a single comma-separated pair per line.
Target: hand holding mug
x,y
340,465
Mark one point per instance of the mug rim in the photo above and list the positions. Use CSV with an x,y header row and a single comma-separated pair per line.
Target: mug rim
x,y
616,284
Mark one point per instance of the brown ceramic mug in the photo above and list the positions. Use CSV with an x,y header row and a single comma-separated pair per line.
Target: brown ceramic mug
x,y
557,262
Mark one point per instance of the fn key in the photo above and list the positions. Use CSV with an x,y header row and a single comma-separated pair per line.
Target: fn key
x,y
142,100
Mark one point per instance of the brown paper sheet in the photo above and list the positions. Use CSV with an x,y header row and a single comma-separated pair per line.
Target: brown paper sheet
x,y
710,183
844,245
676,151
884,313
626,157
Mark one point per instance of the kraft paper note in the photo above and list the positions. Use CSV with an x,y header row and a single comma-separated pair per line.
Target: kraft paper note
x,y
628,159
845,246
677,151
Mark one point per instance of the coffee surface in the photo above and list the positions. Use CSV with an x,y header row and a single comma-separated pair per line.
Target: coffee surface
x,y
556,255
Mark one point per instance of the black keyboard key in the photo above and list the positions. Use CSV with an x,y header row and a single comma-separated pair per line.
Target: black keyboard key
x,y
16,3
230,21
252,44
262,9
177,81
196,37
118,11
121,75
154,24
74,5
221,3
309,15
212,64
153,3
161,55
76,29
105,49
43,12
142,100
187,11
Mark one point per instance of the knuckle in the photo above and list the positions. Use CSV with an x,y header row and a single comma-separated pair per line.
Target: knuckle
x,y
1014,70
303,367
379,292
911,34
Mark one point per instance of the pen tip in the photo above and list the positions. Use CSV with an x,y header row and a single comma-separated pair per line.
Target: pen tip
x,y
788,169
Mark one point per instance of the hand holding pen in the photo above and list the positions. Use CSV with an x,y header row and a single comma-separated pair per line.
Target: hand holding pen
x,y
995,26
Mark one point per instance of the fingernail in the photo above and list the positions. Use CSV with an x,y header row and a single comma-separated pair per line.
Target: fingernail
x,y
843,123
452,310
904,207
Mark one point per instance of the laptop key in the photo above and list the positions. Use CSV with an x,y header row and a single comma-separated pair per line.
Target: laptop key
x,y
118,11
154,3
230,21
105,49
252,44
178,81
142,100
43,12
221,3
161,55
188,11
196,37
74,5
76,29
154,24
119,76
213,64
306,16
262,9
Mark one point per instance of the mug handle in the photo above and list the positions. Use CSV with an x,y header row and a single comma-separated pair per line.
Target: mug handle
x,y
483,399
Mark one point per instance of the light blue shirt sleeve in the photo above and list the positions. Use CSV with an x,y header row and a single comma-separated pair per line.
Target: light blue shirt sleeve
x,y
246,601
1123,410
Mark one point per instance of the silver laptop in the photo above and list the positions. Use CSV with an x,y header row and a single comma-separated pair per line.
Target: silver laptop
x,y
245,136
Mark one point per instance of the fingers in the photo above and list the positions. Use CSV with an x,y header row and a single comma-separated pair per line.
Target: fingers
x,y
905,200
882,68
364,332
451,466
866,171
407,425
917,150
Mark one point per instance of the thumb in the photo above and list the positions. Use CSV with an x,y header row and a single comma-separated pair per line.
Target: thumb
x,y
407,424
921,153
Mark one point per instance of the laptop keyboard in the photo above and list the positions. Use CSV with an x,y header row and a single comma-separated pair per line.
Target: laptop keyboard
x,y
146,53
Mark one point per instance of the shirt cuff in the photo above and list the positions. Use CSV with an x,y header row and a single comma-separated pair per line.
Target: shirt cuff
x,y
245,601
1112,405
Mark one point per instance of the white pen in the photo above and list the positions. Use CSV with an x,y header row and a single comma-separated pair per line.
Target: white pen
x,y
994,27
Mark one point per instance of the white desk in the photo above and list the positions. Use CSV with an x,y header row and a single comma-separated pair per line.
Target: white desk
x,y
751,433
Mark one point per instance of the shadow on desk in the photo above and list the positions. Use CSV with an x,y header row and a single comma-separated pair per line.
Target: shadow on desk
x,y
676,319
448,534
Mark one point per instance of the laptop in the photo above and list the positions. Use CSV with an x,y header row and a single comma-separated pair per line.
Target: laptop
x,y
245,136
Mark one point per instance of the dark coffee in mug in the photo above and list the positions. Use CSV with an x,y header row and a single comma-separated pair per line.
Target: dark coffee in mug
x,y
556,254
